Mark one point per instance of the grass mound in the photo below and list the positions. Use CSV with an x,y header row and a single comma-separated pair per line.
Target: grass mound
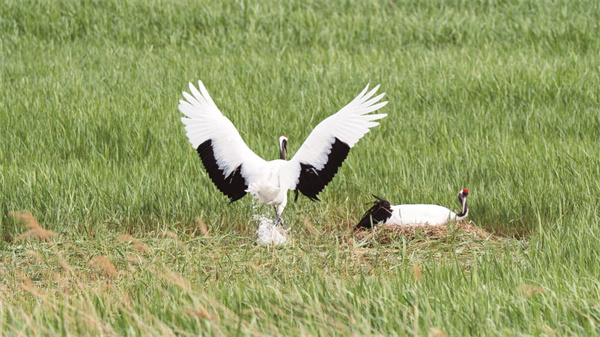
x,y
386,234
462,242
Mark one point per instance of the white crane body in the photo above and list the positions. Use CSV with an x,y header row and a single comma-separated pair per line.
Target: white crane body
x,y
420,214
382,212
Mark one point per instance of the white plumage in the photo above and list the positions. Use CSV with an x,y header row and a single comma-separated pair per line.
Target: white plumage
x,y
413,214
235,169
420,214
270,234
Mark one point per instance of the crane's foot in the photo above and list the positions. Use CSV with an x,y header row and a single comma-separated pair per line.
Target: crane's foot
x,y
279,222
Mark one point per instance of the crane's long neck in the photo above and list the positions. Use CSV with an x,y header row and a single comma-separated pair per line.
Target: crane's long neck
x,y
465,209
282,149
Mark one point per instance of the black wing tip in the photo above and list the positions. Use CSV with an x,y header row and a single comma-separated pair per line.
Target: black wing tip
x,y
235,198
380,211
234,185
311,181
312,197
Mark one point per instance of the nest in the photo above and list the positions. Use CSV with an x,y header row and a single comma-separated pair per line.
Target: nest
x,y
386,234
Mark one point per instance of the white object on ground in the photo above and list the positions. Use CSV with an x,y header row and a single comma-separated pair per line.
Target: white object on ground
x,y
268,233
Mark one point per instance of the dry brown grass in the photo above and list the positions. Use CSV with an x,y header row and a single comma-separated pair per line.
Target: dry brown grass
x,y
35,256
169,234
103,265
125,238
435,332
199,313
135,243
528,290
310,228
203,228
26,284
35,229
140,247
417,271
173,278
135,259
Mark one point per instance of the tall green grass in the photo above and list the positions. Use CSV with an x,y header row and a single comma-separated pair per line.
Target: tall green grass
x,y
501,97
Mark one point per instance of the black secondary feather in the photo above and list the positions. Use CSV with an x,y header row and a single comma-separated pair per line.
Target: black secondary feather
x,y
312,181
233,186
380,211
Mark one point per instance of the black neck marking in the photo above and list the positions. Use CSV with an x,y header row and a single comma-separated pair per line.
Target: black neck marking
x,y
282,149
233,186
463,202
381,211
313,181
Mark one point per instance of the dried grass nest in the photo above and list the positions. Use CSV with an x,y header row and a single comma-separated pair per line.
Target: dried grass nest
x,y
386,234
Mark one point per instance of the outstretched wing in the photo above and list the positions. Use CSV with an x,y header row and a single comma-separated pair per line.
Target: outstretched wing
x,y
226,157
318,159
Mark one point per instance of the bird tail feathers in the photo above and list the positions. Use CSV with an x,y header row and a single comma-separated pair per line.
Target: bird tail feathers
x,y
379,212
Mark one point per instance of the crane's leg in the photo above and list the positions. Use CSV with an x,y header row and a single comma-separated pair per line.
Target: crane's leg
x,y
279,220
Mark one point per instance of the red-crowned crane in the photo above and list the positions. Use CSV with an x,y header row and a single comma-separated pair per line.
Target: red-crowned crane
x,y
236,170
412,214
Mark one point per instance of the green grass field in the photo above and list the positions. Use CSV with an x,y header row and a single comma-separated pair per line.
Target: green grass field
x,y
502,97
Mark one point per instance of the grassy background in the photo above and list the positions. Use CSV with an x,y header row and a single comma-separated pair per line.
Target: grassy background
x,y
497,96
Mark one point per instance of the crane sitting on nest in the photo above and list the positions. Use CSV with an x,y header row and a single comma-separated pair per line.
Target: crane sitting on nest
x,y
236,170
416,214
